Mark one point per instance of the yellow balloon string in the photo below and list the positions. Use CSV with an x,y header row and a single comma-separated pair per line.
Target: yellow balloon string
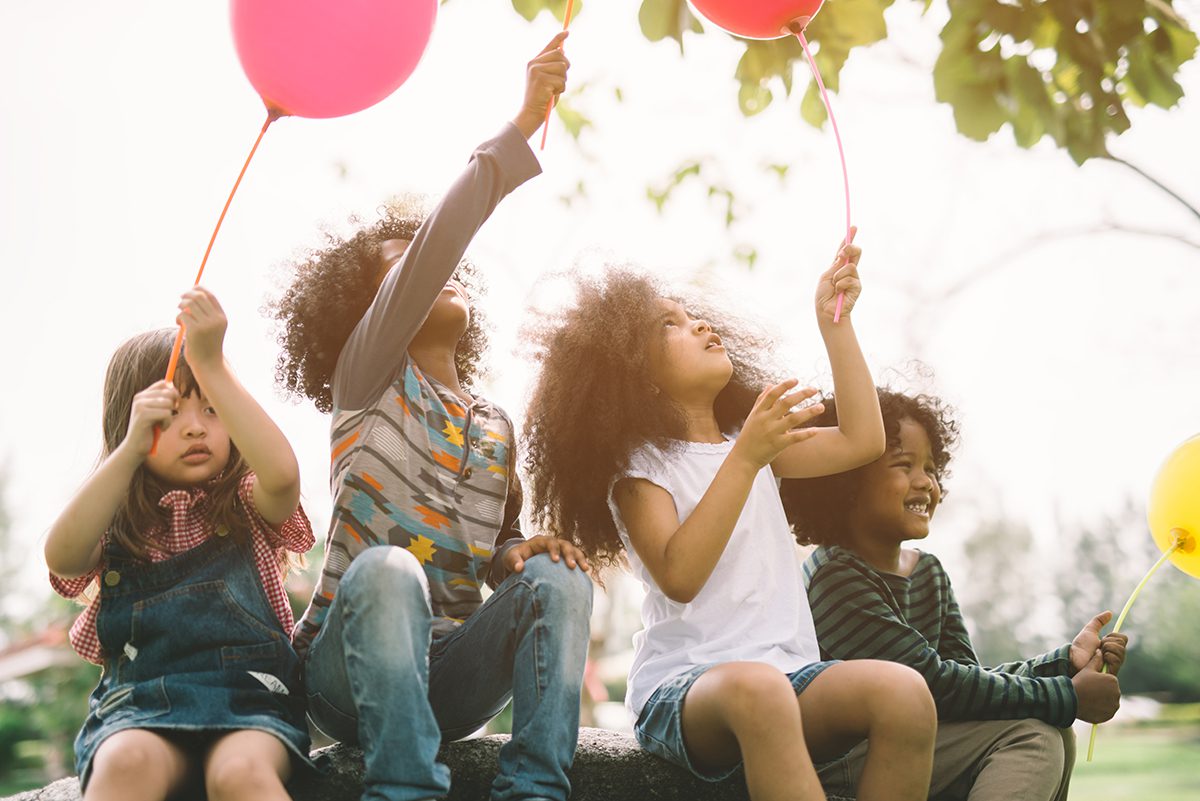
x,y
1180,539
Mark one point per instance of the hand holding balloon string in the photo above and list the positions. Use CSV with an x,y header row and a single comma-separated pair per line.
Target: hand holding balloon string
x,y
550,103
545,80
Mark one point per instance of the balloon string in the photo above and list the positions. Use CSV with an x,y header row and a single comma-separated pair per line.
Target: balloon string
x,y
550,104
272,115
1180,539
841,298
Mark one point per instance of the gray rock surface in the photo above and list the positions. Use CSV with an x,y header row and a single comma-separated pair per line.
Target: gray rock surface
x,y
608,767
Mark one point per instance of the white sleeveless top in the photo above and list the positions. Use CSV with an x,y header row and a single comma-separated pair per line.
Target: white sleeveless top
x,y
752,608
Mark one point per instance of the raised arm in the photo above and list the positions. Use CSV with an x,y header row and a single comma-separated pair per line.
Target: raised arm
x,y
264,447
859,436
372,354
74,544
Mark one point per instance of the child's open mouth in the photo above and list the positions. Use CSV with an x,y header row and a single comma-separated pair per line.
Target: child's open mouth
x,y
919,508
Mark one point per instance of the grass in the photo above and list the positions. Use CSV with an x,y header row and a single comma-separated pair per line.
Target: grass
x,y
1156,762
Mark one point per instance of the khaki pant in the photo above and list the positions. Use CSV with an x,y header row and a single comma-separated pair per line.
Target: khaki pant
x,y
983,760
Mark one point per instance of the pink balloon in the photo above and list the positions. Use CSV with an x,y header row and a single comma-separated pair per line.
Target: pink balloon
x,y
326,58
757,19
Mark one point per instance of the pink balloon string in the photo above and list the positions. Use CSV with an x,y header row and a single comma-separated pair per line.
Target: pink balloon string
x,y
798,30
272,115
550,105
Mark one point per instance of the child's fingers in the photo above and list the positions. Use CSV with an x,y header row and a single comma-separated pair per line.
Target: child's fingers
x,y
802,416
799,435
795,398
773,394
556,42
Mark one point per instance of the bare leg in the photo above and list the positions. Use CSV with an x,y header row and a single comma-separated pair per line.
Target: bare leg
x,y
747,711
247,764
136,765
887,703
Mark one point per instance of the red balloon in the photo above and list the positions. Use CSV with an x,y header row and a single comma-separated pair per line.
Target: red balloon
x,y
758,19
326,58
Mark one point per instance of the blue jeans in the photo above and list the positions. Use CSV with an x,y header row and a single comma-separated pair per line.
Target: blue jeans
x,y
373,678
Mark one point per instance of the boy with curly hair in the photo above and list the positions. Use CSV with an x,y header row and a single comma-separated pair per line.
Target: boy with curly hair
x,y
1004,732
400,651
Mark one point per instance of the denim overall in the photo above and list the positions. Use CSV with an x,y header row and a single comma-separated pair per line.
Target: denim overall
x,y
192,646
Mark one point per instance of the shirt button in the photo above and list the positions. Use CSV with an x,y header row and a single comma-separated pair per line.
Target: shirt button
x,y
112,578
222,530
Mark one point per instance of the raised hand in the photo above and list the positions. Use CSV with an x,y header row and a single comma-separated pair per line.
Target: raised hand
x,y
204,322
153,406
545,80
841,277
772,425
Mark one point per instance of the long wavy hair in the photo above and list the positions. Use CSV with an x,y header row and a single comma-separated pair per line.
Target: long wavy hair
x,y
137,363
818,508
333,287
593,403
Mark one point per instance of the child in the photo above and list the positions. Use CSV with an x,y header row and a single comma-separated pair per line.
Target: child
x,y
426,504
1006,730
189,545
634,446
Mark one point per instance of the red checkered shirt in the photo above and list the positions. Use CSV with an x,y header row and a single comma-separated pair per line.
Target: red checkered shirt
x,y
190,526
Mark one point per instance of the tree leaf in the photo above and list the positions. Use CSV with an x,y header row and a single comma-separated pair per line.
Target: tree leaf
x,y
662,19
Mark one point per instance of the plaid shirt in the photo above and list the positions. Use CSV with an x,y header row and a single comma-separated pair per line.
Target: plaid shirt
x,y
190,526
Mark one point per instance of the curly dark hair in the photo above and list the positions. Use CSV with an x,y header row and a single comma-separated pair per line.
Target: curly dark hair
x,y
593,403
817,508
332,289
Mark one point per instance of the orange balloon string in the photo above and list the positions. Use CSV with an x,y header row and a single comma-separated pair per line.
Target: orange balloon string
x,y
272,115
550,105
798,29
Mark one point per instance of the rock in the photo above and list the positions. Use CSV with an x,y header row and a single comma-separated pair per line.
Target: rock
x,y
608,767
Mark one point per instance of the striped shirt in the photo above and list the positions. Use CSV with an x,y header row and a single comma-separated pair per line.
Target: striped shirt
x,y
414,465
861,613
191,526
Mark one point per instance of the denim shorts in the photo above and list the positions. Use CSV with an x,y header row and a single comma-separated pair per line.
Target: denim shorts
x,y
659,728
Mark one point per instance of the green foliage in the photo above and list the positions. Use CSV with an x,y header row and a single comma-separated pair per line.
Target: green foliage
x,y
529,9
1064,68
1067,69
997,594
663,19
1106,561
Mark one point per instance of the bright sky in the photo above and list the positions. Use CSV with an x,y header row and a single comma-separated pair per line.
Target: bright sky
x,y
123,125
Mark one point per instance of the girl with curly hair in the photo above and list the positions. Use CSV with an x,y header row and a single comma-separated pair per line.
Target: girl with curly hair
x,y
400,651
1005,731
182,550
650,435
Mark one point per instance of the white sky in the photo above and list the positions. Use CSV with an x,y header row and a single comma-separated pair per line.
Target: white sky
x,y
123,125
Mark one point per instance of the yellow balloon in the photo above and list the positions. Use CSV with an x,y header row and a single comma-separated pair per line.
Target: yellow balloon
x,y
1174,508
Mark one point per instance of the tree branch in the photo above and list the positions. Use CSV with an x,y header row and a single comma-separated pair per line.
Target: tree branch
x,y
1178,198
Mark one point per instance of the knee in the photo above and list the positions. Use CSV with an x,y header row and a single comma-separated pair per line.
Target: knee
x,y
565,591
386,571
1044,742
239,776
125,757
756,693
902,699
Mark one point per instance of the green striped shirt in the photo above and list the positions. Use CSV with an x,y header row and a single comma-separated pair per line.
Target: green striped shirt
x,y
861,613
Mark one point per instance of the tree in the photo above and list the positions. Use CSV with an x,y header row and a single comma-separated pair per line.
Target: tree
x,y
1102,564
1001,597
1067,69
